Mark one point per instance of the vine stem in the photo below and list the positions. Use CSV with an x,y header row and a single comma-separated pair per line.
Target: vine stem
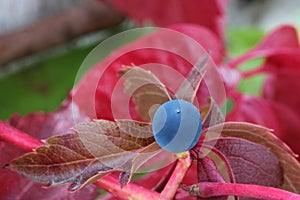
x,y
18,138
183,164
210,189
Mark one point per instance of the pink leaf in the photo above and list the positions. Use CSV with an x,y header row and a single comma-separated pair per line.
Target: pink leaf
x,y
282,37
208,13
283,79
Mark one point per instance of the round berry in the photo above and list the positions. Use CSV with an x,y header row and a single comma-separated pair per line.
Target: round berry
x,y
177,125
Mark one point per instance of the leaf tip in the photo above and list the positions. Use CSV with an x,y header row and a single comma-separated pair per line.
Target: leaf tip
x,y
74,186
124,70
124,178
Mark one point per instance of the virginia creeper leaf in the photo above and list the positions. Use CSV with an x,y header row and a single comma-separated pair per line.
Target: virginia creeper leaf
x,y
251,163
283,72
146,90
212,115
263,136
188,89
143,156
97,148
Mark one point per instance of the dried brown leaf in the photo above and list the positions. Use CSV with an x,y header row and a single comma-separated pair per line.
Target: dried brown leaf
x,y
188,89
97,148
213,114
145,89
143,156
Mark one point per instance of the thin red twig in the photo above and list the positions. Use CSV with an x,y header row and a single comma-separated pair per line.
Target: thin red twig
x,y
165,178
18,138
176,178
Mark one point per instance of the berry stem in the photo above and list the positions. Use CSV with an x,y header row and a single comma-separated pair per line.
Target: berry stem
x,y
183,164
210,189
253,72
165,178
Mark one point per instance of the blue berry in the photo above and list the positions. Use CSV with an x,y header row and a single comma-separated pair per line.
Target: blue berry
x,y
177,125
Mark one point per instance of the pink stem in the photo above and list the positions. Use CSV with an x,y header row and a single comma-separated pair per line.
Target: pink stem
x,y
210,189
129,191
176,178
253,72
16,137
258,53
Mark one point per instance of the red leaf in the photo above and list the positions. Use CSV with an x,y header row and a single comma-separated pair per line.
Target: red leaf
x,y
282,37
250,162
97,93
284,121
253,110
283,79
208,13
264,136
